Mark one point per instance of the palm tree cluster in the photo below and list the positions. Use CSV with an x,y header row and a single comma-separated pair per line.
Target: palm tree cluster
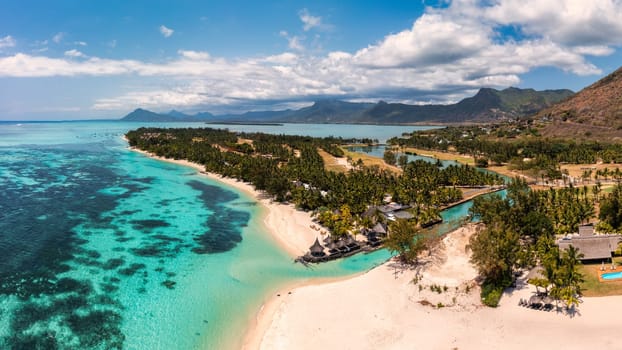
x,y
499,146
610,214
289,168
520,232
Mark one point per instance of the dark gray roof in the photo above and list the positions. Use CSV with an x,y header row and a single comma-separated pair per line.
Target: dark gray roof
x,y
316,247
402,214
391,207
592,247
380,228
349,240
385,209
586,230
371,211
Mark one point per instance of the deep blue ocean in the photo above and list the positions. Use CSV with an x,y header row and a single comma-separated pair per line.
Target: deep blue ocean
x,y
104,248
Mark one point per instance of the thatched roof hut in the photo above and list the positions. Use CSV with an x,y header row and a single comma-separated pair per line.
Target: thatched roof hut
x,y
403,214
341,245
380,228
586,230
370,212
592,246
595,247
316,249
350,242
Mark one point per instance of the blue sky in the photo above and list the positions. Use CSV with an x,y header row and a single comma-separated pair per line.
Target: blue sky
x,y
102,59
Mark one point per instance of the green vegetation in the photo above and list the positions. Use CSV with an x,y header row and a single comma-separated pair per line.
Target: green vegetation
x,y
516,144
289,168
564,275
389,157
481,162
611,211
405,240
520,231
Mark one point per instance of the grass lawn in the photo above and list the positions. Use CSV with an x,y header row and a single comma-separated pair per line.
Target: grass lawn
x,y
592,287
331,163
442,155
370,160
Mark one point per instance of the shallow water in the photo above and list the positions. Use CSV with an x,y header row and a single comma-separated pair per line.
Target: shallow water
x,y
104,248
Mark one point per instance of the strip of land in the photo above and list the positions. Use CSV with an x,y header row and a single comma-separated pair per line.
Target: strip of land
x,y
384,309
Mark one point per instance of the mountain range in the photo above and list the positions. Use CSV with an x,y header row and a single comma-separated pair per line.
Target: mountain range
x,y
487,105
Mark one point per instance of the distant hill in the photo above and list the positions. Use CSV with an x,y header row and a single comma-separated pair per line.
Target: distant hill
x,y
329,111
487,105
143,115
254,116
593,113
203,116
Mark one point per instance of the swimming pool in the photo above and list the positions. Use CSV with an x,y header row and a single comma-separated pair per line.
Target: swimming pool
x,y
611,275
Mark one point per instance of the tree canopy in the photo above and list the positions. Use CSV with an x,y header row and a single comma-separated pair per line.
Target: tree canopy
x,y
290,168
519,232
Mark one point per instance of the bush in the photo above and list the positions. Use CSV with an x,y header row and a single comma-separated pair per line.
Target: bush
x,y
481,162
491,294
389,157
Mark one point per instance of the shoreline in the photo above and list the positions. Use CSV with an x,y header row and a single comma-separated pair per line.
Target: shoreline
x,y
279,315
282,222
384,309
289,227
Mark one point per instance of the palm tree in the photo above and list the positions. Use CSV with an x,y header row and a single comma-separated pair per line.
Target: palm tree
x,y
569,277
596,189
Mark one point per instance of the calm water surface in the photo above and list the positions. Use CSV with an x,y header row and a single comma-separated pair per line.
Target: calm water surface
x,y
103,248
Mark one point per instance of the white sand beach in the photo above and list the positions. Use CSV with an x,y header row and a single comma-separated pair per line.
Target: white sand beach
x,y
383,309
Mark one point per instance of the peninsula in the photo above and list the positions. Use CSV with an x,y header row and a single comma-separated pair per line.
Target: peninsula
x,y
347,206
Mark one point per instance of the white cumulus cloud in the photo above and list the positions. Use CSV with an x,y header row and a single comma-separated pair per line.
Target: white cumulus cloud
x,y
295,43
193,55
74,53
58,37
166,32
567,22
7,41
309,21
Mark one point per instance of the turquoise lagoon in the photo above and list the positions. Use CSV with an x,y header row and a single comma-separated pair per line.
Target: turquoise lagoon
x,y
104,248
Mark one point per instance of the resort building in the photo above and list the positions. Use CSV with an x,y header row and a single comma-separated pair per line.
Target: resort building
x,y
391,211
593,247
